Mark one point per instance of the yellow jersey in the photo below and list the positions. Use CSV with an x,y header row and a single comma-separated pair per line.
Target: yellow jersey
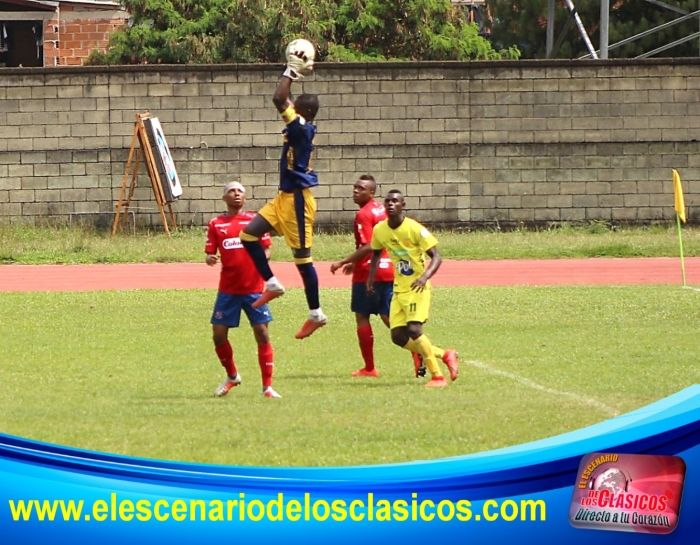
x,y
406,246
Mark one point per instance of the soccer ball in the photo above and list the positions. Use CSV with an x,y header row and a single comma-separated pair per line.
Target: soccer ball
x,y
302,49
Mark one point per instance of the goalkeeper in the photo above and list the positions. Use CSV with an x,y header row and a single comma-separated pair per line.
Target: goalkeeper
x,y
291,213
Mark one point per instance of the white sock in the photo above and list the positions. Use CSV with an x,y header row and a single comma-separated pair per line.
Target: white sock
x,y
274,284
317,315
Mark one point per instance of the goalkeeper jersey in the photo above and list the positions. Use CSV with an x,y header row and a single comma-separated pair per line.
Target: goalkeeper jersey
x,y
296,169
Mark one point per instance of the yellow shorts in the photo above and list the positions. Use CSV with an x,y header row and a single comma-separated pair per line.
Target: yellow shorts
x,y
409,306
292,215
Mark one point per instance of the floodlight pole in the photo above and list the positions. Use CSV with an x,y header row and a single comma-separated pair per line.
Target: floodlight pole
x,y
581,29
550,28
604,27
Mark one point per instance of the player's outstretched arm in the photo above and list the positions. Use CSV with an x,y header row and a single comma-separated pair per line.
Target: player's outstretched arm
x,y
358,255
281,96
300,62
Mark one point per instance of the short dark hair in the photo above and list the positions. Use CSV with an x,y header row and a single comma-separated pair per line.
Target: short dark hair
x,y
369,178
395,191
308,103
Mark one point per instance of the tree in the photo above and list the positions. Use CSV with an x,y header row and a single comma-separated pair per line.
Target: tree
x,y
409,29
220,31
524,23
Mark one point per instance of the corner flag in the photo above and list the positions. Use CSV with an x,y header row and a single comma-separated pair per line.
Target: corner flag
x,y
678,196
679,205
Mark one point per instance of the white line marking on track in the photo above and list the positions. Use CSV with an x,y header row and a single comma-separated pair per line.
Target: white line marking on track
x,y
592,402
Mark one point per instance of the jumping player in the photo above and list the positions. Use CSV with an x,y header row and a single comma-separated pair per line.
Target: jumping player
x,y
407,242
240,286
362,304
292,211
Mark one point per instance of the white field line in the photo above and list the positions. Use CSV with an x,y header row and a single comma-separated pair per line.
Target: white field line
x,y
582,399
690,288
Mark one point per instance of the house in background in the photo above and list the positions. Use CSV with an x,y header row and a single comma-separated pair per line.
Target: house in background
x,y
58,33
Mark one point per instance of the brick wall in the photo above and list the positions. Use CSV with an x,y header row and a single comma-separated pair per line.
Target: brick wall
x,y
76,32
469,143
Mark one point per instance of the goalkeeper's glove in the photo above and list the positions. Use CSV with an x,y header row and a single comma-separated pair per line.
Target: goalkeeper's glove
x,y
297,67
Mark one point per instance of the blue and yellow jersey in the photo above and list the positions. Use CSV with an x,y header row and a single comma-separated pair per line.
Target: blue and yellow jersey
x,y
406,246
296,170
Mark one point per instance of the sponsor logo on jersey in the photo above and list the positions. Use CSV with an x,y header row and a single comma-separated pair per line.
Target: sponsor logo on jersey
x,y
404,267
232,243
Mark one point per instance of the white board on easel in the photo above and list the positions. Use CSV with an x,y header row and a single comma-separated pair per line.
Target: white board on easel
x,y
144,147
164,160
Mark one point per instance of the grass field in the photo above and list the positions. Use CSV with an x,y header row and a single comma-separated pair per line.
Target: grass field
x,y
33,245
133,372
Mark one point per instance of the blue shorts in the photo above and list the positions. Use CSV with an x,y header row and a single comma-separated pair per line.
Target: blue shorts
x,y
377,303
227,310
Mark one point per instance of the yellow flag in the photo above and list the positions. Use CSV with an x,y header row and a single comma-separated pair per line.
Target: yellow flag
x,y
678,194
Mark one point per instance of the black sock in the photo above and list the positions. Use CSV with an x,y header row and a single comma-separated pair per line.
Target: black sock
x,y
257,254
310,279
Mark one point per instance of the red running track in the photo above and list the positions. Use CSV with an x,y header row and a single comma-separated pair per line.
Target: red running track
x,y
526,272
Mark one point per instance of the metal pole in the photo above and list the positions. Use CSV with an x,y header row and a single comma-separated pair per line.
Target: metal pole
x,y
604,27
650,31
550,28
581,29
668,46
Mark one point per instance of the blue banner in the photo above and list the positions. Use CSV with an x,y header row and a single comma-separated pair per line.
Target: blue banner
x,y
521,494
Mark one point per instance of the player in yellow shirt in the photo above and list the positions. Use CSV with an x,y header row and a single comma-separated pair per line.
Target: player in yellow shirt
x,y
408,242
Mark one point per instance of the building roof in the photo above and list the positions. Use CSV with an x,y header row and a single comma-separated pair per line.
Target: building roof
x,y
36,4
46,5
101,3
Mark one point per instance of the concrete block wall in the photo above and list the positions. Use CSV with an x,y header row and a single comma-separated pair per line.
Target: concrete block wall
x,y
470,144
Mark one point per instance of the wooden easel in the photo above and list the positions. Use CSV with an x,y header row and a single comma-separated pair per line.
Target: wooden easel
x,y
135,154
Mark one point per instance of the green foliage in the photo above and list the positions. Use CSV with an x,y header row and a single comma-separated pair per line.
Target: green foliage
x,y
244,31
524,23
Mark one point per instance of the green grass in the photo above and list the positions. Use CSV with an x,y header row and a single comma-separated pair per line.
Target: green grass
x,y
133,372
35,245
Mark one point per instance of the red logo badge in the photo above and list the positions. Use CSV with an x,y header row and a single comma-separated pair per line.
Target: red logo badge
x,y
628,493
